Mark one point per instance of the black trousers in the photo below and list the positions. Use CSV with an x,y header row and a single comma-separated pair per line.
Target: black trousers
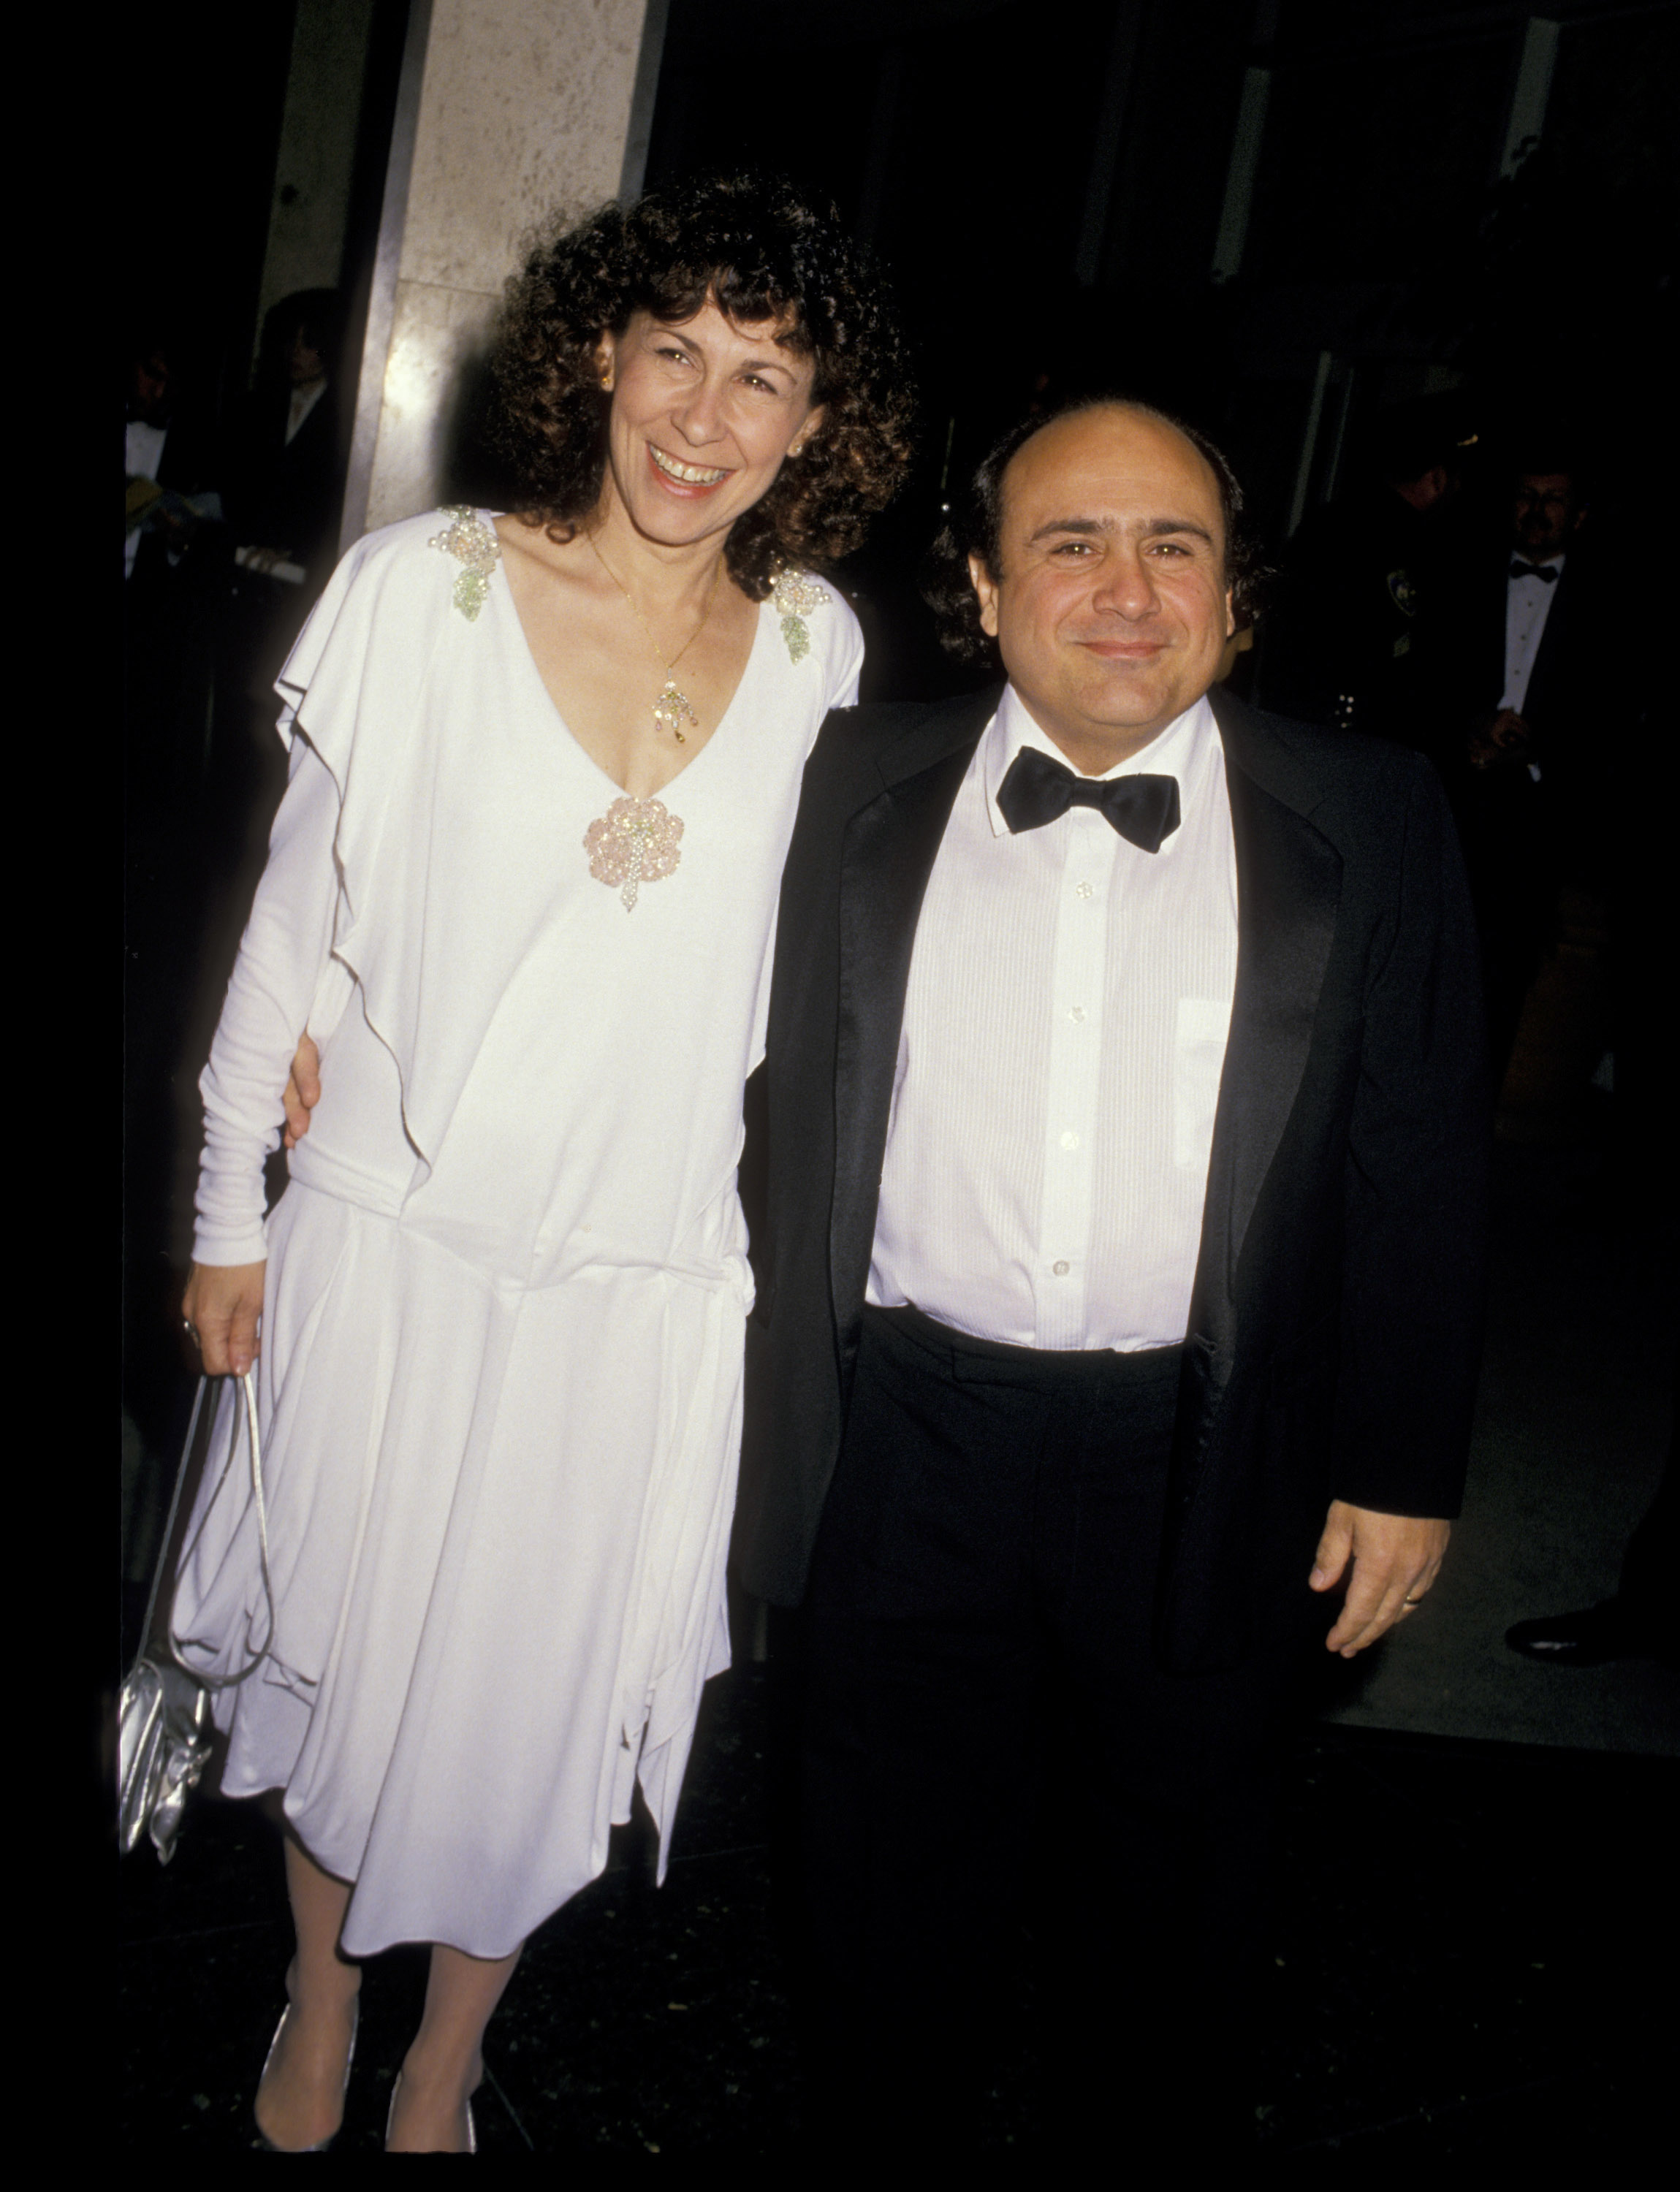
x,y
978,1634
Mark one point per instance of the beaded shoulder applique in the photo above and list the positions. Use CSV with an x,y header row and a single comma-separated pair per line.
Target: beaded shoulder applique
x,y
797,595
475,546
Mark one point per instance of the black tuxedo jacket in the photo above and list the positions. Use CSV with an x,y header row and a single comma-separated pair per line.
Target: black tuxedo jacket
x,y
1562,683
1521,837
288,493
1335,1320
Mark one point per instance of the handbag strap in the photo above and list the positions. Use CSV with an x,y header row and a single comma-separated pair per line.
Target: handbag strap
x,y
247,1385
169,1527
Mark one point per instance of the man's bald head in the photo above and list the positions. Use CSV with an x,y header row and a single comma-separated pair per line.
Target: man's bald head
x,y
975,524
1106,591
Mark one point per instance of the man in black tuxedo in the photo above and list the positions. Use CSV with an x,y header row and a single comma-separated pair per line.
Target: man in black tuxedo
x,y
1119,1285
1529,686
290,481
1521,648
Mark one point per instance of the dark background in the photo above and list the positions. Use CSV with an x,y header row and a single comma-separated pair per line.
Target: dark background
x,y
1046,188
195,221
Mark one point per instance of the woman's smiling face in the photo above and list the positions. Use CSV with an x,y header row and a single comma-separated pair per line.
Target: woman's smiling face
x,y
704,413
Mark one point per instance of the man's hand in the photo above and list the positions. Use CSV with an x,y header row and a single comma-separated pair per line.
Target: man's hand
x,y
221,1306
1507,738
1396,1558
303,1092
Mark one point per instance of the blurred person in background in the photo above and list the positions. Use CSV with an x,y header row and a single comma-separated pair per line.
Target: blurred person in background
x,y
171,474
1529,684
1347,641
289,483
287,489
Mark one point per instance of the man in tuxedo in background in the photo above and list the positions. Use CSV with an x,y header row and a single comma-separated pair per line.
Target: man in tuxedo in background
x,y
1526,687
1526,651
290,481
1119,1287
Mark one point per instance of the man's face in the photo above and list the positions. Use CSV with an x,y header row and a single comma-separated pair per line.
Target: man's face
x,y
1111,608
1545,514
151,389
305,364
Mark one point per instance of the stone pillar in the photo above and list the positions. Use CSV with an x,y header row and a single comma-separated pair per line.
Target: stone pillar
x,y
508,108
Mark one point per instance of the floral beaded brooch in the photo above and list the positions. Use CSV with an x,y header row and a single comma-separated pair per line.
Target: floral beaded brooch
x,y
634,842
797,595
476,548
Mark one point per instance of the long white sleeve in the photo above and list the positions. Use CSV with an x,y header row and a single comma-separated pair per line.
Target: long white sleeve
x,y
283,956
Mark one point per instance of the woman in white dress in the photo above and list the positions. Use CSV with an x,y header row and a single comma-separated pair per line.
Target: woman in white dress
x,y
521,892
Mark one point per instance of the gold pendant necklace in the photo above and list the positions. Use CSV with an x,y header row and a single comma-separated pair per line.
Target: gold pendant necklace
x,y
673,708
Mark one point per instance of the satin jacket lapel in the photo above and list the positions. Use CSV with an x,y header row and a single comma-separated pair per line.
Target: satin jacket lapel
x,y
888,855
1288,884
1490,635
1547,676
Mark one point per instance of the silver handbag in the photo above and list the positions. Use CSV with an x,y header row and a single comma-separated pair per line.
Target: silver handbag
x,y
163,1711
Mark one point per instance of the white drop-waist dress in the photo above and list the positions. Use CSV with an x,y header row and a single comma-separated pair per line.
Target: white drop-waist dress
x,y
499,1383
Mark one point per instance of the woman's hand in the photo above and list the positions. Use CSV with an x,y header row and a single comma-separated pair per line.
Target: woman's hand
x,y
303,1092
221,1305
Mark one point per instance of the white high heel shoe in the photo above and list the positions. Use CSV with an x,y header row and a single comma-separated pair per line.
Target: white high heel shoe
x,y
390,2117
321,2145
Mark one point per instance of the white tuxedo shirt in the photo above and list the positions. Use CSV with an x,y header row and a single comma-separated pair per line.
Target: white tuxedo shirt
x,y
1059,1066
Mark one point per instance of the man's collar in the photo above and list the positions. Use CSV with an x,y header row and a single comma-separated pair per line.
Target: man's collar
x,y
1540,562
1169,753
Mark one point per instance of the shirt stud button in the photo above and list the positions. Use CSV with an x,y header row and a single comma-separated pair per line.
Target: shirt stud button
x,y
1076,1012
1061,1269
1070,1141
1085,890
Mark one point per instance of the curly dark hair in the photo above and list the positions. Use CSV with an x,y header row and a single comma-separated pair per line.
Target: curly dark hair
x,y
760,252
976,521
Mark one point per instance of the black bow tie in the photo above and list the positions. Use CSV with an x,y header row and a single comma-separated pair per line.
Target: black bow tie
x,y
1036,790
1546,573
